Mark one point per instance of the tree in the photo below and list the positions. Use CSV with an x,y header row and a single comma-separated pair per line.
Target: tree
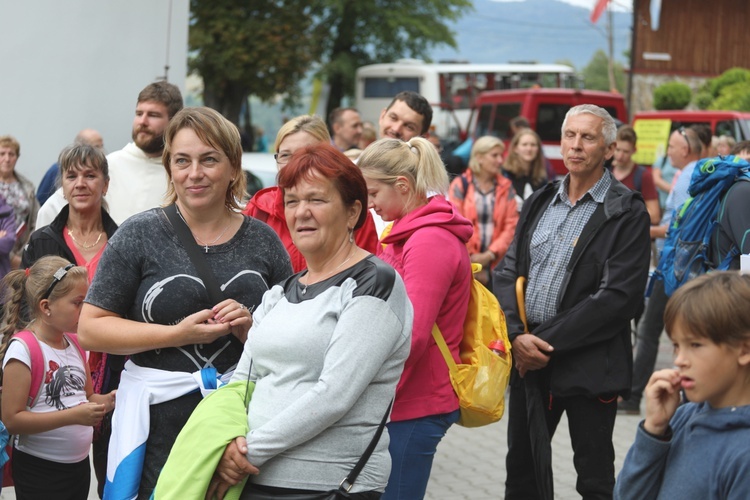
x,y
364,32
672,95
262,48
735,97
730,77
728,91
595,74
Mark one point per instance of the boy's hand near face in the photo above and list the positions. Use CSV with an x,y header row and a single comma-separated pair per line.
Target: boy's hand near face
x,y
662,399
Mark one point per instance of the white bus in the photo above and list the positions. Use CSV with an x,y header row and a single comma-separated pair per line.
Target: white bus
x,y
450,88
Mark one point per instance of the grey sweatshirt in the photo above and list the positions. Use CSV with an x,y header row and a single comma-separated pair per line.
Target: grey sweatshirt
x,y
326,364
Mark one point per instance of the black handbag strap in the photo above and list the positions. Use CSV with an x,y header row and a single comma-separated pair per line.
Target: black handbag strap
x,y
348,482
193,251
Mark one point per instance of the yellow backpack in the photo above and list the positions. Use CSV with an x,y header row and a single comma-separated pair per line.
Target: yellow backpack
x,y
482,376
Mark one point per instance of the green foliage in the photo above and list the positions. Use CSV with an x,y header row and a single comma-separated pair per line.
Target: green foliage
x,y
596,76
728,78
264,48
728,91
672,95
703,99
735,97
258,48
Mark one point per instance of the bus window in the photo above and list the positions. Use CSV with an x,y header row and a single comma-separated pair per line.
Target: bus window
x,y
504,113
386,87
459,90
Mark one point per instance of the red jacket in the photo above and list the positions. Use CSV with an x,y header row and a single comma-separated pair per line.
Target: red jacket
x,y
504,216
268,206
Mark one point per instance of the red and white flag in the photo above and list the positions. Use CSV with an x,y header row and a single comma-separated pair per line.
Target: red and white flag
x,y
598,9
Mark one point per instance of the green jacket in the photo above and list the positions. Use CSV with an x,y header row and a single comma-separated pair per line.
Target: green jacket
x,y
215,422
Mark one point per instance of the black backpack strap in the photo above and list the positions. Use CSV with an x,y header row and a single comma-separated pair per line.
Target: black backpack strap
x,y
663,162
193,251
638,178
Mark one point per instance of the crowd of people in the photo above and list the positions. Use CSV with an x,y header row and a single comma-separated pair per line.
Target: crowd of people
x,y
282,347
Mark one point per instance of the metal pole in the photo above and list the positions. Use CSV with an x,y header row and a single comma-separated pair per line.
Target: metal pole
x,y
633,55
611,65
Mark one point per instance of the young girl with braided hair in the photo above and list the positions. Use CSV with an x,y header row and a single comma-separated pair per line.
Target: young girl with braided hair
x,y
53,430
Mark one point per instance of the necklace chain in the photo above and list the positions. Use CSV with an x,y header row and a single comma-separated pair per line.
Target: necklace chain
x,y
64,349
305,285
85,244
204,244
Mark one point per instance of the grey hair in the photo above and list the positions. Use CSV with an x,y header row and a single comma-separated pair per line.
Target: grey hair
x,y
609,127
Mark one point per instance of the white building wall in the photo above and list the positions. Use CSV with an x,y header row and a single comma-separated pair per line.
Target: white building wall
x,y
74,64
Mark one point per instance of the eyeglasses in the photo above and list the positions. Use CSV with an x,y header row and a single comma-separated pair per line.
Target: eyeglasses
x,y
683,133
57,278
282,158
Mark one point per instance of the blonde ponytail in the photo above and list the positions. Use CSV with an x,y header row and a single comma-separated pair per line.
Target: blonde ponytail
x,y
417,160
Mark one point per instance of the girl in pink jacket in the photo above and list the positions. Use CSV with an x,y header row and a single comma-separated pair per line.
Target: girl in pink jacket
x,y
427,246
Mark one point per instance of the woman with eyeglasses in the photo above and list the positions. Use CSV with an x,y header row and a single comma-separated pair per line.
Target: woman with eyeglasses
x,y
268,204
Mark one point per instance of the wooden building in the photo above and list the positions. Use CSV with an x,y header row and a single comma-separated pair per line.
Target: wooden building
x,y
686,40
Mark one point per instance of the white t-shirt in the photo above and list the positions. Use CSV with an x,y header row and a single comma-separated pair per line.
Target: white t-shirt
x,y
64,386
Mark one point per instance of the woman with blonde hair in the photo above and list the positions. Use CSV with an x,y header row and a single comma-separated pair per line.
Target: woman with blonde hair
x,y
325,352
525,164
427,246
153,300
268,204
485,197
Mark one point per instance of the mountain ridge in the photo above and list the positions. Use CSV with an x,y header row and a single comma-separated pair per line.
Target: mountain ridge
x,y
543,31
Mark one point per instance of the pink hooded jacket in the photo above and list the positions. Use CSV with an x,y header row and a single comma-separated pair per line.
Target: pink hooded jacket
x,y
428,249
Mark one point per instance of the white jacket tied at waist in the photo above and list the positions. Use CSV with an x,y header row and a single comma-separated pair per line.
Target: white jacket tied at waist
x,y
139,388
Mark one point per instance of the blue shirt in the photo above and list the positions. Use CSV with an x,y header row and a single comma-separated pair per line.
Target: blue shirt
x,y
676,198
553,242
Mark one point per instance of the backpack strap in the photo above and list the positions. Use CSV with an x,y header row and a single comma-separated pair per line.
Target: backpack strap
x,y
440,340
198,259
465,183
29,340
444,350
638,177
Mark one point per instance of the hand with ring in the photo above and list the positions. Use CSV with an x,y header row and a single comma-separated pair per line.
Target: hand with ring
x,y
236,315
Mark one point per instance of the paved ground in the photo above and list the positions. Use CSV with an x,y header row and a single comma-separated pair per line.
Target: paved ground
x,y
470,463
